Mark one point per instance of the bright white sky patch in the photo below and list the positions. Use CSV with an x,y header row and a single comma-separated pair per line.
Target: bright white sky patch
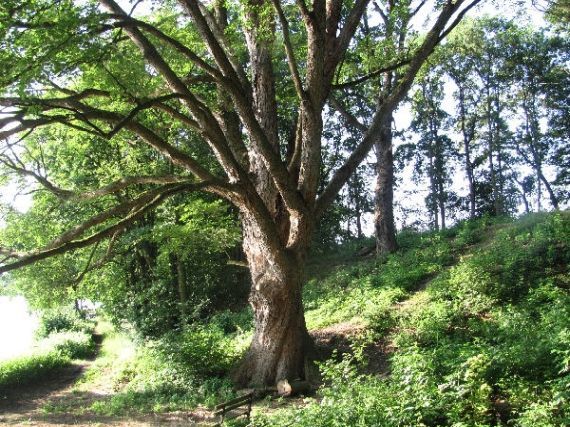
x,y
17,326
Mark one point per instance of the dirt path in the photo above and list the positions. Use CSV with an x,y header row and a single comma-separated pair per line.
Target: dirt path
x,y
57,401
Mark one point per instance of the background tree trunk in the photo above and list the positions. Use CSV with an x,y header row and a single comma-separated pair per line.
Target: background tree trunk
x,y
384,206
182,291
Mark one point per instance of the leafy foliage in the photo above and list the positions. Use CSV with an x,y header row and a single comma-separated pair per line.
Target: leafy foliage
x,y
24,370
179,371
62,319
52,353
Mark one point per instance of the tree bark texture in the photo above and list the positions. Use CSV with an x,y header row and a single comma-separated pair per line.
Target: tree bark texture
x,y
385,229
281,341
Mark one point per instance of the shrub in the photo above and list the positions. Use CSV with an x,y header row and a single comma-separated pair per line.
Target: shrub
x,y
51,353
73,345
62,319
178,371
233,321
204,348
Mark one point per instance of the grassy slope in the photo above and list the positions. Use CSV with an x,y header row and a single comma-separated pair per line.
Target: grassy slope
x,y
486,343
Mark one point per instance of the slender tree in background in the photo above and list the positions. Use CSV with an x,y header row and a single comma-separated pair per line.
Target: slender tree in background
x,y
459,65
534,57
396,20
67,68
383,47
510,118
434,151
516,77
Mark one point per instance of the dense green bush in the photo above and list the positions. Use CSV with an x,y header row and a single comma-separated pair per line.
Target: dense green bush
x,y
63,336
72,345
62,319
26,369
52,353
204,349
180,370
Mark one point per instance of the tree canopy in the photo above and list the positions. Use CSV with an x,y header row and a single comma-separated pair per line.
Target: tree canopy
x,y
117,114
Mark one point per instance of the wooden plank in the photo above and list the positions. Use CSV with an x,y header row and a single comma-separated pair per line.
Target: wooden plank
x,y
230,407
245,398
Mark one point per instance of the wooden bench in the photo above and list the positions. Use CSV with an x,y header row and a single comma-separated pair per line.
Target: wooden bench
x,y
224,409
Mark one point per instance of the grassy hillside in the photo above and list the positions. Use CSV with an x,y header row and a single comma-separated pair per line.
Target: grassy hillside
x,y
487,342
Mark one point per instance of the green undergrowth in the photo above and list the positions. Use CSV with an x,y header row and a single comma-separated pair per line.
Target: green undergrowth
x,y
486,344
362,291
480,337
27,369
180,371
189,368
63,319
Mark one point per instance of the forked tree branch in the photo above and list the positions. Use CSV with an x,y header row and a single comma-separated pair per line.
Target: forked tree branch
x,y
207,28
348,116
348,30
202,114
206,118
242,97
42,180
86,114
125,21
372,74
126,182
90,265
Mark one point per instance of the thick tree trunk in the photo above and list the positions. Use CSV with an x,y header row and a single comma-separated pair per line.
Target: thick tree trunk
x,y
470,181
525,201
359,233
441,203
384,207
553,198
280,342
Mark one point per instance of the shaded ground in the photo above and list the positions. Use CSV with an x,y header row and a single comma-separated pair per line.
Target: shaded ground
x,y
54,401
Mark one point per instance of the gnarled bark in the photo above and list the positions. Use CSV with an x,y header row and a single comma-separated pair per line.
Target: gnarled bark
x,y
280,342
